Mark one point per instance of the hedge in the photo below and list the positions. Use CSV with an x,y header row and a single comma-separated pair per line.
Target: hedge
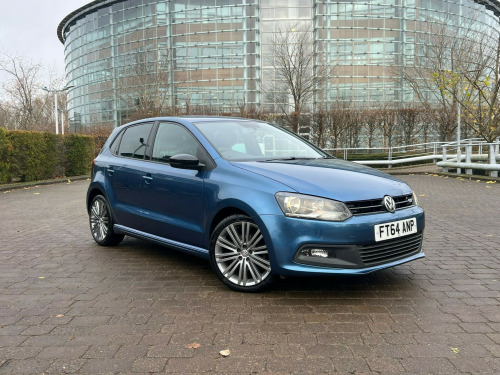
x,y
31,156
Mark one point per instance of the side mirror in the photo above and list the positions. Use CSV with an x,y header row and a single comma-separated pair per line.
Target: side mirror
x,y
185,161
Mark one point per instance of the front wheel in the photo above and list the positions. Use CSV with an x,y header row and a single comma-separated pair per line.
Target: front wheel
x,y
239,255
101,223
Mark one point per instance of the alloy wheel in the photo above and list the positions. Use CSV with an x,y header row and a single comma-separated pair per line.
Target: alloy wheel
x,y
99,220
241,254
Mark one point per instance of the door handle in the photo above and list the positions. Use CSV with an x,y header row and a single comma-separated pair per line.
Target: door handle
x,y
110,171
147,179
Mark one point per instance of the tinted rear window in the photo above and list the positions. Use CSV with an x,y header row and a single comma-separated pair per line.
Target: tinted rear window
x,y
133,143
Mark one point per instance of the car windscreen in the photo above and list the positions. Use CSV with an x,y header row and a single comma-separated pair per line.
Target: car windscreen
x,y
239,140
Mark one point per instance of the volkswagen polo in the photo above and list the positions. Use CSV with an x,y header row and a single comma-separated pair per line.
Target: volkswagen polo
x,y
254,199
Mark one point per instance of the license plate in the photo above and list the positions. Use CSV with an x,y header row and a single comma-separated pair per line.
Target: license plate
x,y
395,229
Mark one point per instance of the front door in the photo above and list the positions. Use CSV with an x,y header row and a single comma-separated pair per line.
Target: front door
x,y
173,198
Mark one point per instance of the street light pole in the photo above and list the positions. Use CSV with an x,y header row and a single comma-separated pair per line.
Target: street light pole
x,y
62,121
459,151
56,110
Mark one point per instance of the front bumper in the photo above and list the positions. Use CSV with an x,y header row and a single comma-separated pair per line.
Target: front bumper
x,y
351,244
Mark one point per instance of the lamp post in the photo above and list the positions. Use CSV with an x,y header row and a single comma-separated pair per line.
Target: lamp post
x,y
459,150
55,92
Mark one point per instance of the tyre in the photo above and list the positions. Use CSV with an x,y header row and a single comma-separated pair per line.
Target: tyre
x,y
239,255
101,223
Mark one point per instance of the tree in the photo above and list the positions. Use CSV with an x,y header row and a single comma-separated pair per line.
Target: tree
x,y
442,48
21,89
408,124
143,87
371,120
388,119
25,105
480,87
292,59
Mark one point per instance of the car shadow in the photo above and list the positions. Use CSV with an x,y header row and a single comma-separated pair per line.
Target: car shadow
x,y
157,261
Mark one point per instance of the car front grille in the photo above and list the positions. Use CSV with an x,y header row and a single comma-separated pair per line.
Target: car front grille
x,y
387,251
375,205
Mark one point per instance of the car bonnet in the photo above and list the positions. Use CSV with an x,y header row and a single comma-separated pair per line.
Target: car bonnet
x,y
329,178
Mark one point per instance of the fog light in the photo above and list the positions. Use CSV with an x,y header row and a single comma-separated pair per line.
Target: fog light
x,y
319,253
318,256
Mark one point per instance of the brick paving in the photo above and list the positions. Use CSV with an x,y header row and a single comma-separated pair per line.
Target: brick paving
x,y
69,306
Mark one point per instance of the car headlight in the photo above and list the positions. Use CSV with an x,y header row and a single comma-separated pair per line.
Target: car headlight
x,y
309,207
415,200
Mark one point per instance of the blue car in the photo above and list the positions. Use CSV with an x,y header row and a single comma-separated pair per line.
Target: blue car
x,y
255,199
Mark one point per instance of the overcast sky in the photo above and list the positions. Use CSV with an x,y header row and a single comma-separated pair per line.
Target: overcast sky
x,y
29,28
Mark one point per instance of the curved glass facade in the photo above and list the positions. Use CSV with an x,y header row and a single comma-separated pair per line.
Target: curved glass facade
x,y
120,54
368,42
126,54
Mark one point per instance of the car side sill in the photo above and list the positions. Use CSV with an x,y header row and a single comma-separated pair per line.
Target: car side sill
x,y
198,251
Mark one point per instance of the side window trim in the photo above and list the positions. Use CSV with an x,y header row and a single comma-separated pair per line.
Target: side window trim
x,y
209,162
118,139
151,140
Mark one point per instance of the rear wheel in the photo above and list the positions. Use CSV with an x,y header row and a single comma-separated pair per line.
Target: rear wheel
x,y
101,223
239,255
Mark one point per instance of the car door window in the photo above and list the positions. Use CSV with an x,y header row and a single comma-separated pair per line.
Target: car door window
x,y
172,139
134,139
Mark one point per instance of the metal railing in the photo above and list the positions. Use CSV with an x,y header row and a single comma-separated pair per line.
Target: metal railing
x,y
395,155
486,158
469,154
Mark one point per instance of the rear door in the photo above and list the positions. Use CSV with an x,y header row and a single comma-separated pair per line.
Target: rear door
x,y
125,173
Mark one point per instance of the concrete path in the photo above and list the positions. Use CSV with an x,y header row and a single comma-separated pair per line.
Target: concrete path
x,y
69,306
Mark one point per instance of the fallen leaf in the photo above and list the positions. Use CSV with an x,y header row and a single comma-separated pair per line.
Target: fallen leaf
x,y
225,353
478,180
488,187
422,195
42,277
59,316
491,182
455,350
5,192
194,345
36,193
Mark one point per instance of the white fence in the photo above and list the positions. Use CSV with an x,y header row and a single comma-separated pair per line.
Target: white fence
x,y
469,154
474,157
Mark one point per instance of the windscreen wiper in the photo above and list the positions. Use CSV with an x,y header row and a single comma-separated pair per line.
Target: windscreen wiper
x,y
291,158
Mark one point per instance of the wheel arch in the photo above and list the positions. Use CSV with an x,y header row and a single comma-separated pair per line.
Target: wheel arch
x,y
222,214
92,193
235,207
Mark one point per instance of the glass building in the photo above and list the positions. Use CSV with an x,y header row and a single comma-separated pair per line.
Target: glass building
x,y
124,54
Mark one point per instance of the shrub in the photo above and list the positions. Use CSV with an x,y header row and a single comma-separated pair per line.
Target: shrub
x,y
30,156
79,153
4,150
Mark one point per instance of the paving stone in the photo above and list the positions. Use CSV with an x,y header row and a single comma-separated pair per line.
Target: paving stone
x,y
71,306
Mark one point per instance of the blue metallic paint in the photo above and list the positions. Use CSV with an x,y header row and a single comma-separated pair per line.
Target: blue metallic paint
x,y
251,187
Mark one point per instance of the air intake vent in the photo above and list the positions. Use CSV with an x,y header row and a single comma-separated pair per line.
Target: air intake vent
x,y
387,251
